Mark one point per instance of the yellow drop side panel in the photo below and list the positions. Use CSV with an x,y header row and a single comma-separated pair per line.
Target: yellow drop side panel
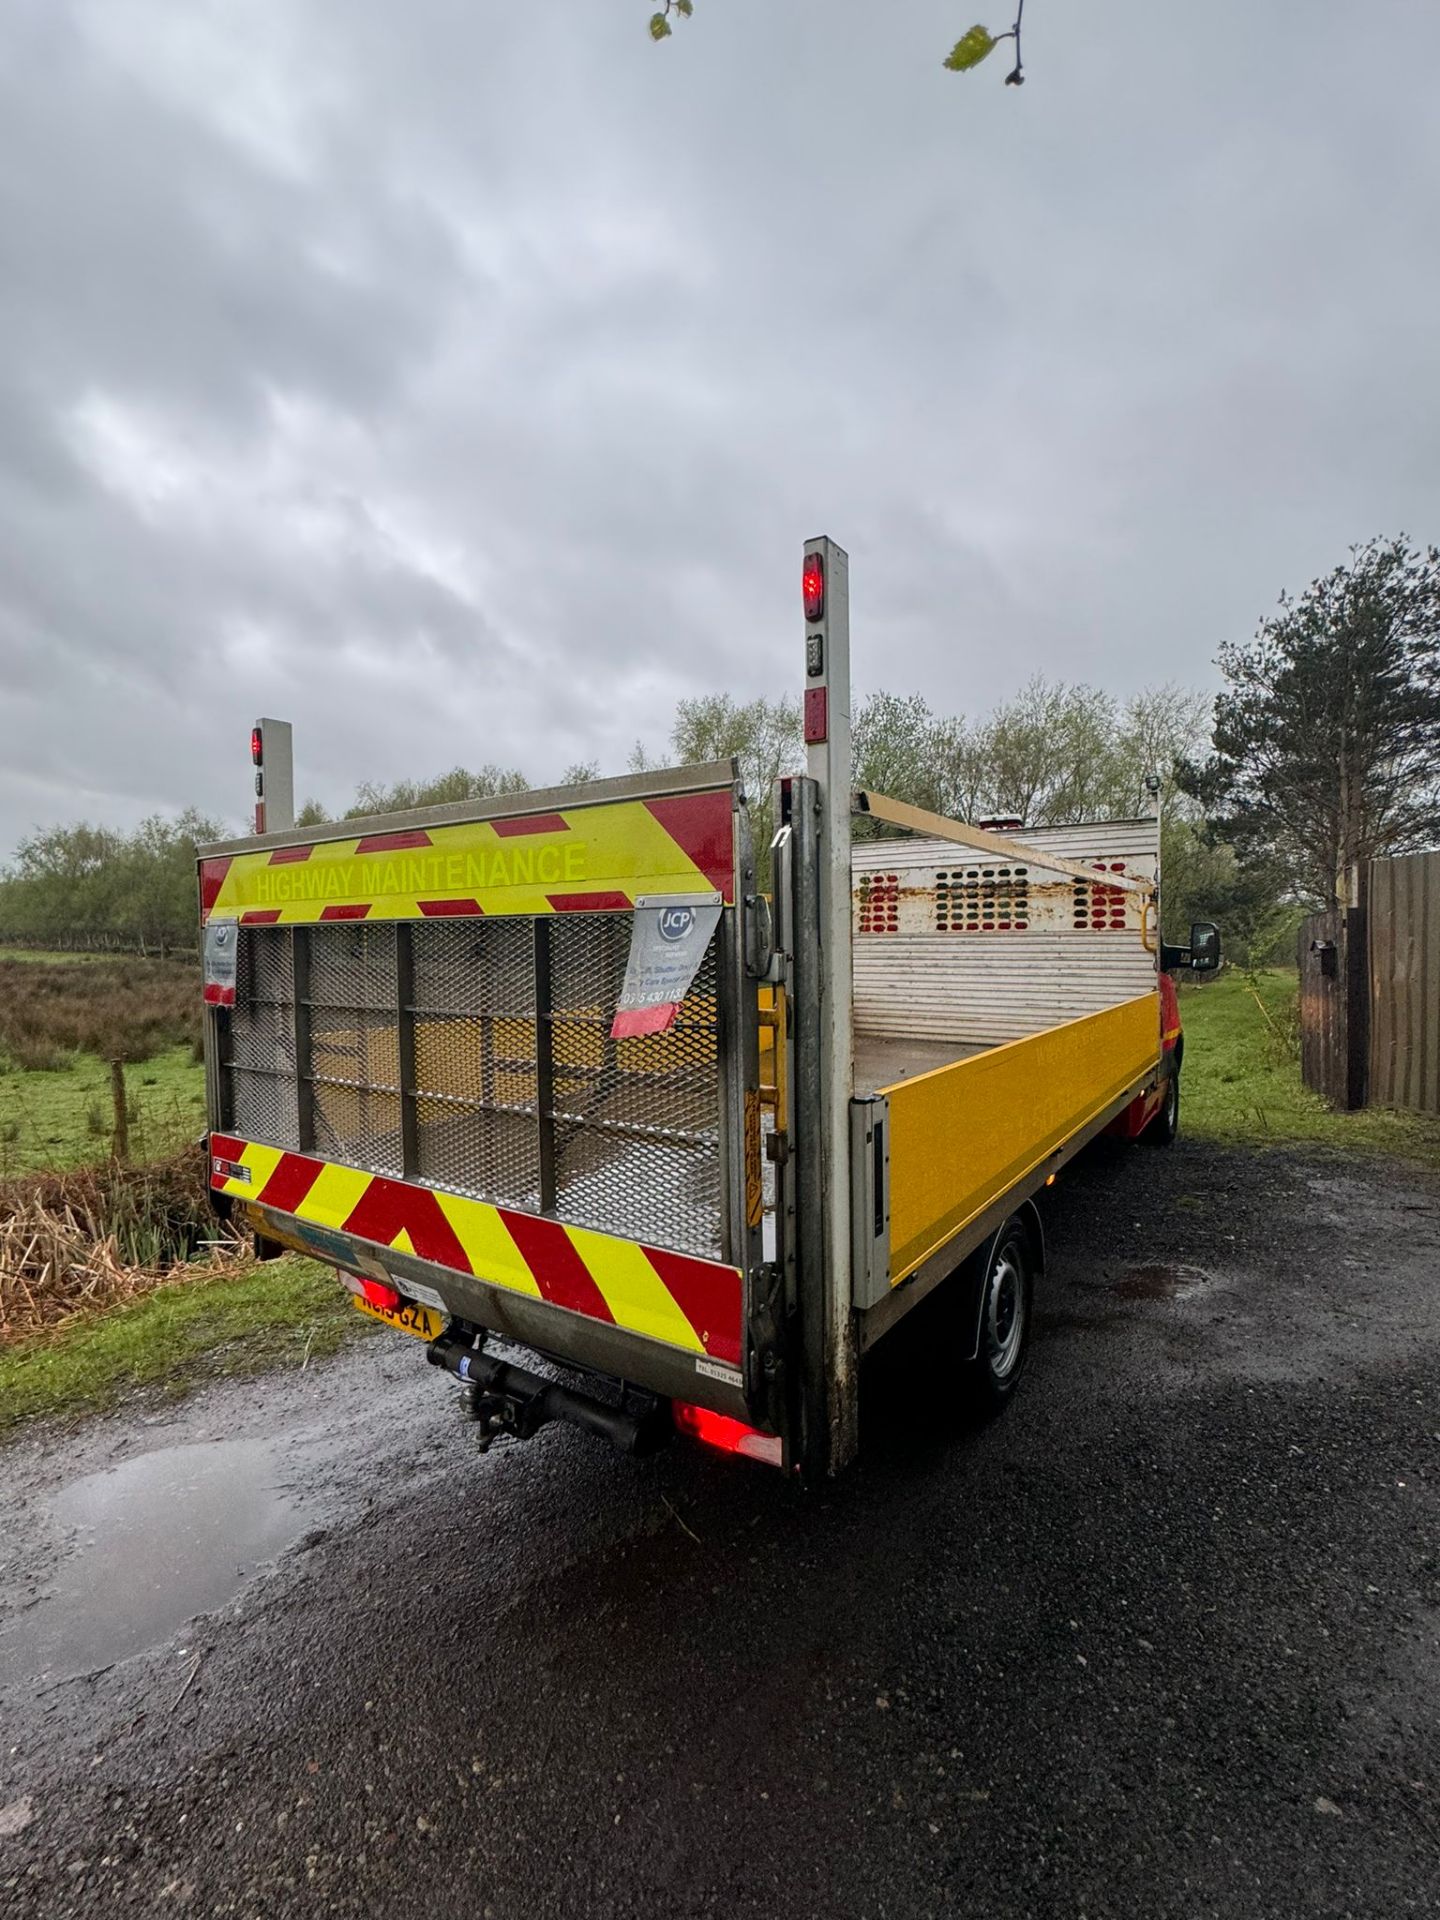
x,y
959,1137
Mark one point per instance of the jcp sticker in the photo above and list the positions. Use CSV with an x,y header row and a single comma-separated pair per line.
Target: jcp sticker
x,y
222,954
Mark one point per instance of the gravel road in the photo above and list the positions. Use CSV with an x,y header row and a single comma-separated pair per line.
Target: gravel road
x,y
1165,1639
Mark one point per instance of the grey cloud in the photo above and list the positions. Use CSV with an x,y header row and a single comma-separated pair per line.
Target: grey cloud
x,y
472,375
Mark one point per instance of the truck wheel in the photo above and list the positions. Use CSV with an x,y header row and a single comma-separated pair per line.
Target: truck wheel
x,y
1163,1128
1006,1296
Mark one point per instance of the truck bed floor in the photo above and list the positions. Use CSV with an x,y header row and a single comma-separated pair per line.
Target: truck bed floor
x,y
881,1060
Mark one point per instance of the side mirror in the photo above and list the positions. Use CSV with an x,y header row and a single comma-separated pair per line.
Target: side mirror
x,y
1201,956
1204,947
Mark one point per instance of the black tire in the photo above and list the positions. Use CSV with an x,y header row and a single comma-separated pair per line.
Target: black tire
x,y
1163,1128
1005,1308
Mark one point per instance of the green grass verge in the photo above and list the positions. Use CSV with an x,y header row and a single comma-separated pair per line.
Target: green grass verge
x,y
1242,1078
282,1314
66,1118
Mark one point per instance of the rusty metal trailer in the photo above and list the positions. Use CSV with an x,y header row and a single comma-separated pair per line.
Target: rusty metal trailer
x,y
701,1215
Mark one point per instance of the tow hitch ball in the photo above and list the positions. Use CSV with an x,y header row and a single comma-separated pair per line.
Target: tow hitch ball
x,y
493,1413
505,1399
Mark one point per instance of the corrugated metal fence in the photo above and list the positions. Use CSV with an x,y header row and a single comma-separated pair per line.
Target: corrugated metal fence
x,y
1404,911
1370,990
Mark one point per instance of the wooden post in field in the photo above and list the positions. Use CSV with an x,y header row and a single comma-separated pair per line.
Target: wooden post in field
x,y
120,1147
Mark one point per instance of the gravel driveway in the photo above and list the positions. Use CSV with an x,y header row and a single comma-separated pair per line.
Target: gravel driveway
x,y
1163,1640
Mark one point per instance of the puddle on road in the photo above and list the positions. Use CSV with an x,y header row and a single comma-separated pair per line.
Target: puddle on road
x,y
150,1543
1159,1282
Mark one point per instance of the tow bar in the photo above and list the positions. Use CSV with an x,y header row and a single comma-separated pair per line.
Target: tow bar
x,y
505,1399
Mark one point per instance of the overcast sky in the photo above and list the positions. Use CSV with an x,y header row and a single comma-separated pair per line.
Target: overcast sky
x,y
460,379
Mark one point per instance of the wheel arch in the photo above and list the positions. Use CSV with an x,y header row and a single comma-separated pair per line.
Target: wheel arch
x,y
971,1275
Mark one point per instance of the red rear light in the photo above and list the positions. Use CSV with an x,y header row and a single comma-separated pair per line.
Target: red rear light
x,y
257,745
730,1436
812,582
380,1294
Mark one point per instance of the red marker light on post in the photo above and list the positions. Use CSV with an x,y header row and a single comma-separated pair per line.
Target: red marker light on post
x,y
272,755
812,582
257,755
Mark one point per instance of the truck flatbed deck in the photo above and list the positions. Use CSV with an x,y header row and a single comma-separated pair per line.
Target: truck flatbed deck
x,y
882,1061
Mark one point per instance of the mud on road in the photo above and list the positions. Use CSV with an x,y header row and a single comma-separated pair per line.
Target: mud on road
x,y
1165,1639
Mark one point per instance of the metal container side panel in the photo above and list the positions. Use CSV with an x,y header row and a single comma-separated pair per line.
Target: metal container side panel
x,y
988,990
961,1136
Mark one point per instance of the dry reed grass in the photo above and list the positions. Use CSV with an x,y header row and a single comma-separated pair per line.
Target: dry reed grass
x,y
71,1243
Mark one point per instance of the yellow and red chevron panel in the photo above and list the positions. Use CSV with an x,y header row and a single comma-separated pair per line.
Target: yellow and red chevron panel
x,y
688,1303
583,859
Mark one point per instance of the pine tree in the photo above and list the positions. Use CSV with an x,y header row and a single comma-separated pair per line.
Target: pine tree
x,y
1327,739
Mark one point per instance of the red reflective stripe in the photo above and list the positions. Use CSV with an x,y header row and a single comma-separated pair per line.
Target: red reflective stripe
x,y
559,1272
700,823
260,916
438,909
708,1296
533,823
212,879
388,1208
395,842
224,1146
356,912
290,1182
290,856
588,902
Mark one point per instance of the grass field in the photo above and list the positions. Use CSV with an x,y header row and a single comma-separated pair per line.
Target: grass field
x,y
1242,1077
65,1117
281,1314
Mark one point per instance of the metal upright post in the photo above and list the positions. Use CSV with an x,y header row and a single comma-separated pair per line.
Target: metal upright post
x,y
272,750
826,588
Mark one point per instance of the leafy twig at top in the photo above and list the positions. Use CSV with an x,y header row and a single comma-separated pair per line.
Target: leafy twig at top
x,y
979,43
660,28
968,51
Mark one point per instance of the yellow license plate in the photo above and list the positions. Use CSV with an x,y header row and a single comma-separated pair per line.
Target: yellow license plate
x,y
423,1322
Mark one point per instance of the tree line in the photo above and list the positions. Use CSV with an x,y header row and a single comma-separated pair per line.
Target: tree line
x,y
1322,751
